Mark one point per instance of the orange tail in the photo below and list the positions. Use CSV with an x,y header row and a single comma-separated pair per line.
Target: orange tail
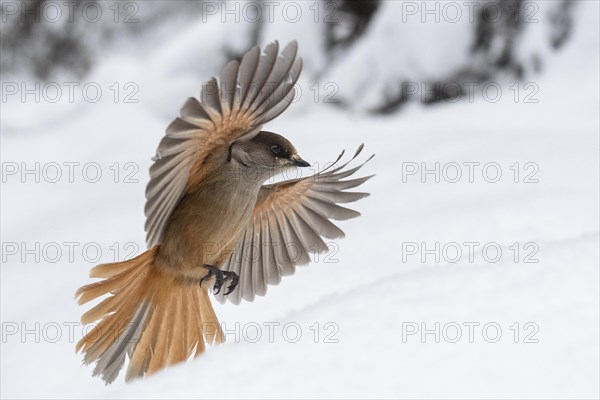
x,y
154,318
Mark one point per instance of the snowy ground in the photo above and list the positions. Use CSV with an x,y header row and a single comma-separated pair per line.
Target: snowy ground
x,y
371,300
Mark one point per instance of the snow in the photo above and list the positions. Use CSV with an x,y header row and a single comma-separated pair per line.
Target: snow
x,y
369,293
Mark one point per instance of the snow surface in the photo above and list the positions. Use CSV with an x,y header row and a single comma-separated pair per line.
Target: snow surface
x,y
370,294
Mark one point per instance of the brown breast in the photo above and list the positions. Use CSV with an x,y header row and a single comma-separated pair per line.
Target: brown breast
x,y
206,225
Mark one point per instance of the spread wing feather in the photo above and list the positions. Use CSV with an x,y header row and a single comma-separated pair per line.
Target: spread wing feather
x,y
287,225
247,95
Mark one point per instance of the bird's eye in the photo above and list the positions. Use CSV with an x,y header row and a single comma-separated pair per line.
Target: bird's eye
x,y
275,149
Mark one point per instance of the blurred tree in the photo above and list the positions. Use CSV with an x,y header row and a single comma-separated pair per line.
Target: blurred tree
x,y
44,38
353,19
33,42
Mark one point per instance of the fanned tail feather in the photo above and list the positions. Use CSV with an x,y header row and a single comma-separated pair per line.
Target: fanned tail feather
x,y
151,317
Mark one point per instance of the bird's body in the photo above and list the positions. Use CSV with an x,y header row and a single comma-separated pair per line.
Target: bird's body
x,y
207,222
212,222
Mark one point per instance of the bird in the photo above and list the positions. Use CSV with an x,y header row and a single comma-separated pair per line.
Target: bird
x,y
213,223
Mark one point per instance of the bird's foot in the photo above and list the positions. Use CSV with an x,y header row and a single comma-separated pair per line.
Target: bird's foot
x,y
220,278
233,279
217,274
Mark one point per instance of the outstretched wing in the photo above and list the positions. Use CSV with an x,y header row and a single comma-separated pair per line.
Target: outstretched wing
x,y
232,109
288,222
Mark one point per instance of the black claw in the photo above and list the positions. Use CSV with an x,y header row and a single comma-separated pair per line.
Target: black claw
x,y
218,284
234,280
219,277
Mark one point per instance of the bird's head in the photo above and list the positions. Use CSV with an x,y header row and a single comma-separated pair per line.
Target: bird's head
x,y
267,152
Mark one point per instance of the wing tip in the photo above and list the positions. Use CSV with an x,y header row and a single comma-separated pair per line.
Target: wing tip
x,y
359,149
293,44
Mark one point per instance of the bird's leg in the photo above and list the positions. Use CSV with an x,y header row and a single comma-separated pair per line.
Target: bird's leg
x,y
234,280
217,273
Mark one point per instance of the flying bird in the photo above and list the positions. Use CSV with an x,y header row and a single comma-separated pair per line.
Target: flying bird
x,y
213,223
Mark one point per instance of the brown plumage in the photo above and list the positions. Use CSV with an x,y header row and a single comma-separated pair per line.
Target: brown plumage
x,y
211,221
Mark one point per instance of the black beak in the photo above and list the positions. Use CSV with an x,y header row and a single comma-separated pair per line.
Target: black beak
x,y
298,162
